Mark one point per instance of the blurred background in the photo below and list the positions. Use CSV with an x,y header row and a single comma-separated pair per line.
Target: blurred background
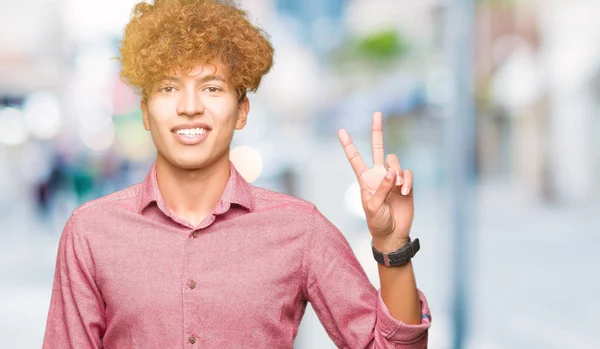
x,y
493,104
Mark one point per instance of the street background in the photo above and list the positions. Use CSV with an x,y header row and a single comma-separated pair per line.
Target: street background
x,y
70,131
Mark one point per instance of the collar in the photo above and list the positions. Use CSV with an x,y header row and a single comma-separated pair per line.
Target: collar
x,y
238,191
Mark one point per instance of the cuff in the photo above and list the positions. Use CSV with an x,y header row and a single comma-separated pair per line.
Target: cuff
x,y
396,330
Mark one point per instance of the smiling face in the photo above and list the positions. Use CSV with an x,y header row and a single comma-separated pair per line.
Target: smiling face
x,y
192,116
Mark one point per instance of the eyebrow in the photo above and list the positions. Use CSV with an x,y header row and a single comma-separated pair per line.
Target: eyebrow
x,y
206,78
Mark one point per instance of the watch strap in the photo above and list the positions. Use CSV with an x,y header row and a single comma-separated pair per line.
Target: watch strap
x,y
399,257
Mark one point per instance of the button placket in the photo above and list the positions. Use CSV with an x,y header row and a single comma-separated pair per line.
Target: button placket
x,y
190,284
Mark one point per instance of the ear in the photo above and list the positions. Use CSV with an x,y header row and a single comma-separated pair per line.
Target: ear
x,y
243,110
145,119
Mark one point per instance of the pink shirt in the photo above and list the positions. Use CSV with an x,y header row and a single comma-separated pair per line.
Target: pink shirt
x,y
129,274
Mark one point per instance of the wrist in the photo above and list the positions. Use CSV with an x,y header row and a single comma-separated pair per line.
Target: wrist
x,y
389,244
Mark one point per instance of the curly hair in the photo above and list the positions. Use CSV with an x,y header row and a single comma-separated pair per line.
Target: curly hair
x,y
173,35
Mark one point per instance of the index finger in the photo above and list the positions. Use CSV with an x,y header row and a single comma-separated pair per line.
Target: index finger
x,y
356,161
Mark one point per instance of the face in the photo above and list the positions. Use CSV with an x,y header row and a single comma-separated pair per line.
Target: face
x,y
192,116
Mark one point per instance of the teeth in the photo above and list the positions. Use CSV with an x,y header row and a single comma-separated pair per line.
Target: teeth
x,y
191,131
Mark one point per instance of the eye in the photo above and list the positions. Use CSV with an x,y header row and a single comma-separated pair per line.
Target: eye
x,y
167,89
212,89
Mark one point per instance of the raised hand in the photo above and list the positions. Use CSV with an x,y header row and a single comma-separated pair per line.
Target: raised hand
x,y
385,190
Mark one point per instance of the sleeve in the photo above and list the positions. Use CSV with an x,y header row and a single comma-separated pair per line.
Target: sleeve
x,y
350,309
76,315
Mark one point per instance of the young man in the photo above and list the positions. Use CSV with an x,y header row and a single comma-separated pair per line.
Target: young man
x,y
196,257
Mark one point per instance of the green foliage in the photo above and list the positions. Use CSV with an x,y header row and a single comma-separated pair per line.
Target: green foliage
x,y
384,45
378,50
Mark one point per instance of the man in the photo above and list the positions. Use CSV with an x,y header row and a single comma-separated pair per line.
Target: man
x,y
195,256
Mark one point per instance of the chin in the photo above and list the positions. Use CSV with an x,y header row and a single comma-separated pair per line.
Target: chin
x,y
190,164
191,160
184,163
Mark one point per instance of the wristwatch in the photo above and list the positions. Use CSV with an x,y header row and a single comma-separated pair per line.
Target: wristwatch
x,y
399,257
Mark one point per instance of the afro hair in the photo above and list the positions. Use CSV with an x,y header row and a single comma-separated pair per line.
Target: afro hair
x,y
174,35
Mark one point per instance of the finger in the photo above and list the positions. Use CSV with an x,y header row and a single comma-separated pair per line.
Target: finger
x,y
377,139
356,161
391,161
407,187
386,186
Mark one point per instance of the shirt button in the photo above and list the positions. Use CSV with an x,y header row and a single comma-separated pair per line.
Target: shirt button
x,y
195,234
193,284
192,339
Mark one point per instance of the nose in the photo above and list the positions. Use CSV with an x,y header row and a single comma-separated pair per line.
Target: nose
x,y
190,104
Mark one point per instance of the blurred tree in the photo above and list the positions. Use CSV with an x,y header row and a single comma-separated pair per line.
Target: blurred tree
x,y
384,47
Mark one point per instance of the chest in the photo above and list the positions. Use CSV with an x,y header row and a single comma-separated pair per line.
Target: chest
x,y
218,279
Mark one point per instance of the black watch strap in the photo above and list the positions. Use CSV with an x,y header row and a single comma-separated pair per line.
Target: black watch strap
x,y
399,257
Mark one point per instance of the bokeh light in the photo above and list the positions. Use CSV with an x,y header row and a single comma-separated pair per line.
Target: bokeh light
x,y
352,200
247,161
42,114
13,130
100,138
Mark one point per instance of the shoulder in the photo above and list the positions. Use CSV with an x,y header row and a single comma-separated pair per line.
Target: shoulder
x,y
285,210
265,199
122,200
303,211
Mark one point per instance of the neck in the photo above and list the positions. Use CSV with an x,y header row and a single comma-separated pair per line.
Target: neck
x,y
192,194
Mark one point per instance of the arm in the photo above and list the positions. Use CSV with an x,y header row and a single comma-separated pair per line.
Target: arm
x,y
399,292
76,315
387,199
351,310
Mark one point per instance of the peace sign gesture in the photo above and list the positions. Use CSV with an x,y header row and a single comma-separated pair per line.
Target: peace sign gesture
x,y
385,190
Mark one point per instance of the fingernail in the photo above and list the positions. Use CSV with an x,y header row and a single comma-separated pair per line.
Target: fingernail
x,y
405,191
390,173
399,180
